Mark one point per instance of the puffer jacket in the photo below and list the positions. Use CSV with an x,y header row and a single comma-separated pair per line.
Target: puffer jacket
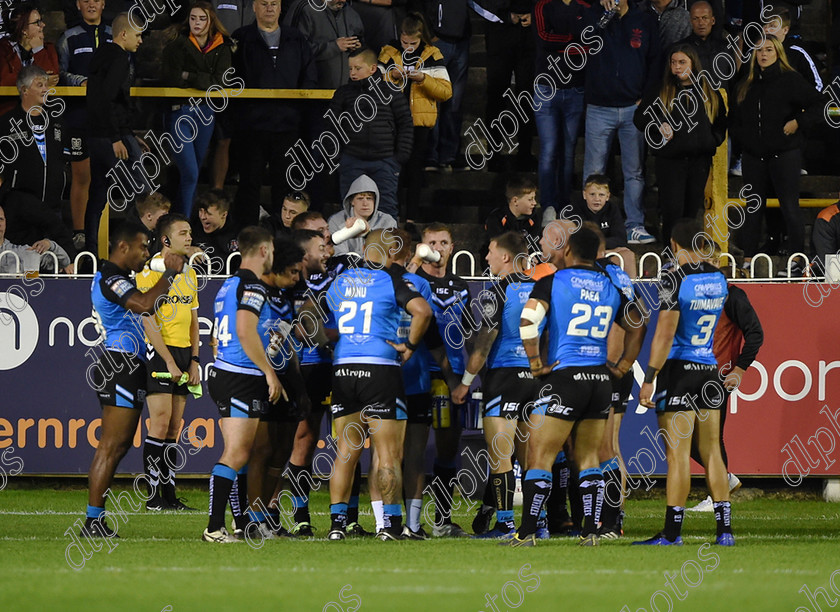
x,y
386,133
423,98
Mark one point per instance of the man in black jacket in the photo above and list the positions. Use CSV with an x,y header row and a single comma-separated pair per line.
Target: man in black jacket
x,y
216,234
268,56
374,123
33,155
112,145
709,45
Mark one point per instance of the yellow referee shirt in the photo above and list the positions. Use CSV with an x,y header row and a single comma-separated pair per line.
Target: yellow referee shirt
x,y
173,312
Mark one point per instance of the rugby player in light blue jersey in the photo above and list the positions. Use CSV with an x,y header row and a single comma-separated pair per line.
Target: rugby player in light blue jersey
x,y
688,394
580,302
119,376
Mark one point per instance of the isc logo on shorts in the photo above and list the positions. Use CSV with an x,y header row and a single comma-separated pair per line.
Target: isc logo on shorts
x,y
677,401
556,408
336,408
510,406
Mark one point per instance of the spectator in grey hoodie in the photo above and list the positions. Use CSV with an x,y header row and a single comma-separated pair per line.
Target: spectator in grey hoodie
x,y
361,202
32,258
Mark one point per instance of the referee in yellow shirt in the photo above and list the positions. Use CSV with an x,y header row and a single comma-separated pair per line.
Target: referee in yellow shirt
x,y
172,337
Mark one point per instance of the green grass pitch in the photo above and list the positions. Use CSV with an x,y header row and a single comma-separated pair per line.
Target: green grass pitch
x,y
160,564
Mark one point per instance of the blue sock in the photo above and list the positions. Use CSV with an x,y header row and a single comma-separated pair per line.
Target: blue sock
x,y
393,515
505,517
95,512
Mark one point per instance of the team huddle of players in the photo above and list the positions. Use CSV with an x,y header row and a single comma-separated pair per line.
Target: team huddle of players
x,y
379,340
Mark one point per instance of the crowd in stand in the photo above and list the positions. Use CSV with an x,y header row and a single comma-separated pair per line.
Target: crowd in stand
x,y
624,76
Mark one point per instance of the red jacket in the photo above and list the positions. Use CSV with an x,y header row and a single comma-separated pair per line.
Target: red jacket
x,y
10,66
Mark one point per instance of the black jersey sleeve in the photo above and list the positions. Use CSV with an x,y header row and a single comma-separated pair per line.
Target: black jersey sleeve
x,y
116,286
669,290
741,312
251,295
542,289
402,292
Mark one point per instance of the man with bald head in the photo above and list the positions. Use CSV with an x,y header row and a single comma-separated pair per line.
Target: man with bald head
x,y
708,44
368,394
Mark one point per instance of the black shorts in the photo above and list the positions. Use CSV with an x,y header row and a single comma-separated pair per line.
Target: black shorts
x,y
376,389
182,356
575,393
445,413
286,411
119,379
238,395
318,380
686,385
77,148
419,408
621,389
281,412
507,392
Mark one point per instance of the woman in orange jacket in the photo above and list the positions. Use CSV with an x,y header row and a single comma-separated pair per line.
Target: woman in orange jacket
x,y
414,67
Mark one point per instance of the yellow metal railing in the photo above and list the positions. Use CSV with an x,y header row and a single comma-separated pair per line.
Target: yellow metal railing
x,y
176,92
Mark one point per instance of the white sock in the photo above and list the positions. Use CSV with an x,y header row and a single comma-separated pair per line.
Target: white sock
x,y
378,513
412,512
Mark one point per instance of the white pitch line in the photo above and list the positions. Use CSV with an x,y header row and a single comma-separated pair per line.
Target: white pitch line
x,y
740,572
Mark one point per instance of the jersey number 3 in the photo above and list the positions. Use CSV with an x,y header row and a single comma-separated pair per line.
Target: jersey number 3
x,y
707,326
349,310
579,325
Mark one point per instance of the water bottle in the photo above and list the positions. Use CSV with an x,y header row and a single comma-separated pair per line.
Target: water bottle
x,y
605,19
426,253
476,410
157,265
346,233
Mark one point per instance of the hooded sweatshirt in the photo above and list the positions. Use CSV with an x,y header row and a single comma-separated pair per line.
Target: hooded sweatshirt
x,y
378,220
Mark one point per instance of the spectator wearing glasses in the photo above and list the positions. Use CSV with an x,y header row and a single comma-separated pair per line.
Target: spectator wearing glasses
x,y
24,46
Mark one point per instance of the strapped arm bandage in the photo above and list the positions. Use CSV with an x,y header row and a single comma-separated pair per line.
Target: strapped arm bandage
x,y
535,316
